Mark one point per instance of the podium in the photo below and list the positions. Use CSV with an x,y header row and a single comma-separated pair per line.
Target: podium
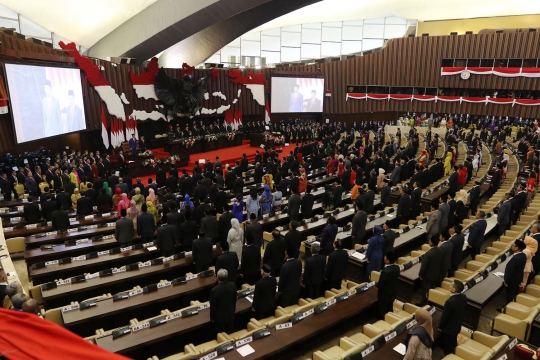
x,y
177,147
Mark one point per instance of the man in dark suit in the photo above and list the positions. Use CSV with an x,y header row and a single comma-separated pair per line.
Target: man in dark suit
x,y
474,197
328,236
244,163
254,231
188,231
457,249
7,187
476,234
496,180
48,205
404,206
313,104
84,206
307,204
446,248
314,272
31,185
209,224
416,196
32,214
228,261
451,318
224,223
389,237
223,298
60,218
359,221
274,254
453,181
430,268
505,212
166,239
289,279
91,193
293,206
251,263
336,266
264,296
125,230
513,274
518,203
146,225
293,239
388,284
238,187
122,163
202,252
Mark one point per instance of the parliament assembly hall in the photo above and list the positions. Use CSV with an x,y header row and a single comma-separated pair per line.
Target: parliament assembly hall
x,y
269,179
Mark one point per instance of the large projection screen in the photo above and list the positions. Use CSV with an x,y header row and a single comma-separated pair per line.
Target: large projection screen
x,y
45,101
294,95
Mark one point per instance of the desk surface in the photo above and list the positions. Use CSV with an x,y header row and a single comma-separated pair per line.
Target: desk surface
x,y
33,242
60,250
488,288
147,336
109,307
279,340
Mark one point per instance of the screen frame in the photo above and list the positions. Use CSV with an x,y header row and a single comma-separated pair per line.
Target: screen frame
x,y
299,77
11,115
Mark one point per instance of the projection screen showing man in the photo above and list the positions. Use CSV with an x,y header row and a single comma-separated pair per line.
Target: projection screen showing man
x,y
45,101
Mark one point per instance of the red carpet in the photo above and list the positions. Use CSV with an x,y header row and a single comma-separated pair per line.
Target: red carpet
x,y
227,156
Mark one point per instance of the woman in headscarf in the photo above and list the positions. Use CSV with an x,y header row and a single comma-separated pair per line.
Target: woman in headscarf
x,y
76,196
107,189
152,197
423,158
132,212
374,253
420,339
448,163
252,203
138,198
117,197
235,238
266,201
187,204
238,208
268,179
302,181
152,210
530,250
380,180
123,204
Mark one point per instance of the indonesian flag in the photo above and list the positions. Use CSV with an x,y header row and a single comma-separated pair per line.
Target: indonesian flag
x,y
237,118
144,83
267,113
104,133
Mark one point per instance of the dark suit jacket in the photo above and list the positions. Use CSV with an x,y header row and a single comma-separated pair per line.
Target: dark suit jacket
x,y
161,177
505,210
223,302
289,281
457,249
238,187
314,270
358,230
474,195
389,238
453,182
251,261
431,265
60,220
146,225
513,274
293,239
124,231
476,234
264,296
274,255
388,283
327,238
84,206
209,225
224,225
447,249
307,205
337,265
228,261
416,196
32,214
293,207
496,180
452,314
404,206
202,251
188,233
65,199
166,237
254,231
47,208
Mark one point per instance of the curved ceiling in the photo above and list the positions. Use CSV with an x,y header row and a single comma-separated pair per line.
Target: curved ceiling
x,y
422,10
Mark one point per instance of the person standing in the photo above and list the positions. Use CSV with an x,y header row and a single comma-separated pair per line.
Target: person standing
x,y
474,196
444,208
274,254
223,303
166,239
146,225
430,269
133,147
289,279
446,248
458,240
235,238
389,237
388,284
513,274
404,206
264,296
451,318
359,221
328,236
336,266
251,263
228,261
124,230
254,232
420,339
504,215
374,253
476,234
60,218
314,270
293,206
51,111
434,219
293,239
202,252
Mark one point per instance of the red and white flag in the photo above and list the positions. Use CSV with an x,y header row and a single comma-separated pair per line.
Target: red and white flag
x,y
104,133
267,113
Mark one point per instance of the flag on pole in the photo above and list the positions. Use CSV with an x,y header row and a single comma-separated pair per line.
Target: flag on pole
x,y
267,113
104,133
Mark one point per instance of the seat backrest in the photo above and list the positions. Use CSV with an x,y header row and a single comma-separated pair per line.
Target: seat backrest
x,y
35,293
15,245
54,315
